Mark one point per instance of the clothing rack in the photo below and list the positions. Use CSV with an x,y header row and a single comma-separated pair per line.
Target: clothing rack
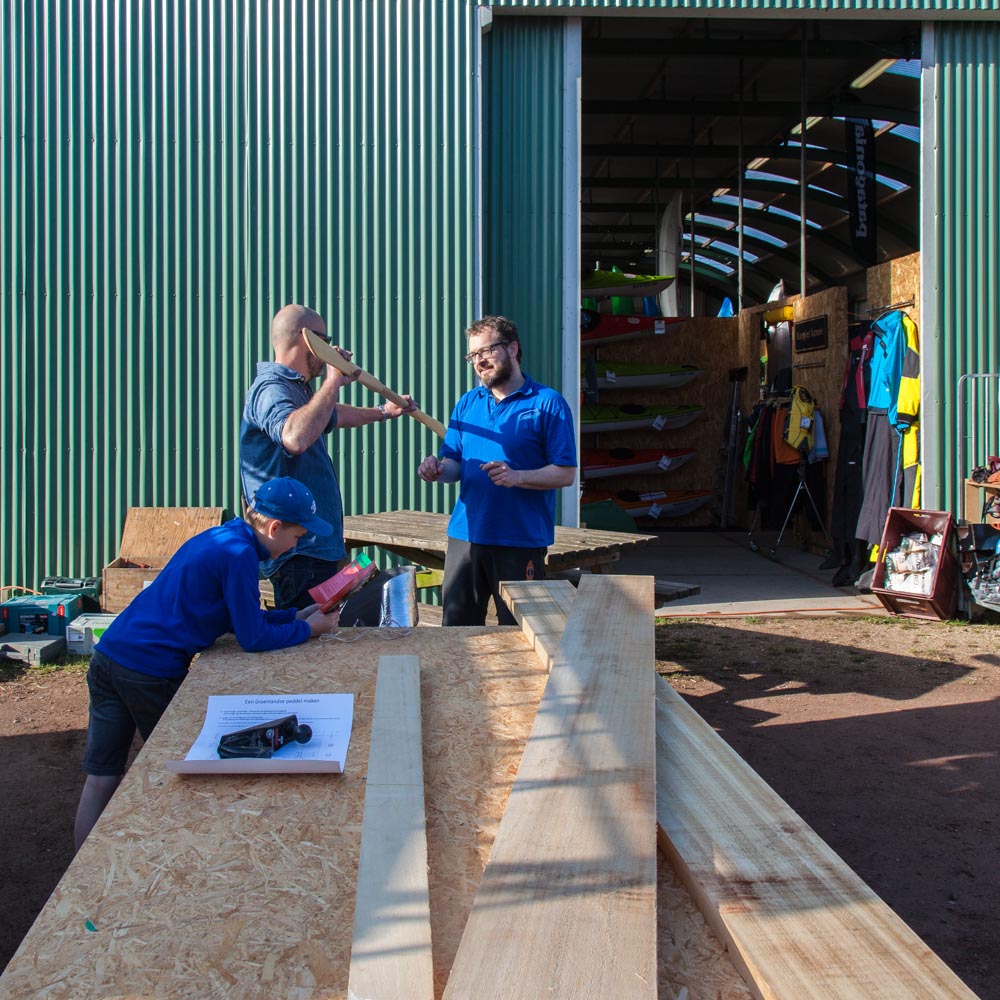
x,y
881,310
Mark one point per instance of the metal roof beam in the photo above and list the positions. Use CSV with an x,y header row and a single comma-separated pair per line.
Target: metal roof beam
x,y
790,111
627,151
702,184
786,48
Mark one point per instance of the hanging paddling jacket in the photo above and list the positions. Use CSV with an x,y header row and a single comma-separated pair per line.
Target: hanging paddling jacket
x,y
799,424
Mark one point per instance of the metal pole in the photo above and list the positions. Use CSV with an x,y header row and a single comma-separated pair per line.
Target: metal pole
x,y
802,167
691,199
739,209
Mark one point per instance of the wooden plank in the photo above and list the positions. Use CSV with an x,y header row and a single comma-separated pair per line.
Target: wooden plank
x,y
567,904
391,950
796,920
423,536
671,590
541,608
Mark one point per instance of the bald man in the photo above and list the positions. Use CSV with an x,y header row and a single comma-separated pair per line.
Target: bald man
x,y
282,434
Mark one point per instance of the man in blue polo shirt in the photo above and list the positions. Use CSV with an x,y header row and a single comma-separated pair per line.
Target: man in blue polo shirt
x,y
511,445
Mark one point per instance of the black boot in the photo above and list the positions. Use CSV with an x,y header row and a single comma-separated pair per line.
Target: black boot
x,y
839,556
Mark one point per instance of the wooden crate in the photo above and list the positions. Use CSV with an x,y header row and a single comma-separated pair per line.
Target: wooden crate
x,y
151,536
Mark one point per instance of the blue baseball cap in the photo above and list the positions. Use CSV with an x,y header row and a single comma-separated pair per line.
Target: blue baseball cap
x,y
288,500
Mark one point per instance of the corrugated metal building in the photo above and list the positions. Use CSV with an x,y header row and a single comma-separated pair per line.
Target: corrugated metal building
x,y
170,174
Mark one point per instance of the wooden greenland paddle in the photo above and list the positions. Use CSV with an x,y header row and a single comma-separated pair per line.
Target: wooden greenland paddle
x,y
326,353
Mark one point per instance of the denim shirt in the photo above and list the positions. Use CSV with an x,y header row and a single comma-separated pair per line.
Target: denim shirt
x,y
276,392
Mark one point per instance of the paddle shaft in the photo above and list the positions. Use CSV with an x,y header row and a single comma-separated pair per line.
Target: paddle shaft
x,y
327,354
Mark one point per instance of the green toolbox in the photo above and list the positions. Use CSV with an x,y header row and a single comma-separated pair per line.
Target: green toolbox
x,y
40,614
88,587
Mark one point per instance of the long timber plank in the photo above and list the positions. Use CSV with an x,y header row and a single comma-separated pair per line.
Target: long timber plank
x,y
391,949
541,608
797,921
567,903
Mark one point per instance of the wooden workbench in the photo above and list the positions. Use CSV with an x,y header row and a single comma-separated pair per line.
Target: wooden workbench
x,y
244,886
422,538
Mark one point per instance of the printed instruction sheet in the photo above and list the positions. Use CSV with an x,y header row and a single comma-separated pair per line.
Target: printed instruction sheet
x,y
330,716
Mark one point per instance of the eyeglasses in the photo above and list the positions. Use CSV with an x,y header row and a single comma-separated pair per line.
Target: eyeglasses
x,y
322,336
489,350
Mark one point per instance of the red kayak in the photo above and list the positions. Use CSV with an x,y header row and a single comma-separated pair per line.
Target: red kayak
x,y
600,462
604,328
661,503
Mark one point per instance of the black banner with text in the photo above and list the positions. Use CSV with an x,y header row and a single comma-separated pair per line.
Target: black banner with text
x,y
860,145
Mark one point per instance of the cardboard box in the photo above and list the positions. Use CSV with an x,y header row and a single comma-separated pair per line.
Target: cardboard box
x,y
943,598
82,633
151,536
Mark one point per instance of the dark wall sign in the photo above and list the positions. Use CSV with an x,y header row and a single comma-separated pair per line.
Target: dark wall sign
x,y
810,335
860,145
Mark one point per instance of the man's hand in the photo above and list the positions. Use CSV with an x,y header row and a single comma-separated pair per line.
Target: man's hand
x,y
393,410
502,474
320,623
335,376
431,469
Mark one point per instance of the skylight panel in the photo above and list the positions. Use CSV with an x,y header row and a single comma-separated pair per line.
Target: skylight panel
x,y
759,234
732,199
716,265
905,67
910,132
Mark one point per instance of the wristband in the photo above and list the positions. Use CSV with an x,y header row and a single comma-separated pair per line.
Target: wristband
x,y
382,415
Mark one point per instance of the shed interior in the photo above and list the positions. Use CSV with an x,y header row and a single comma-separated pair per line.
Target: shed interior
x,y
679,107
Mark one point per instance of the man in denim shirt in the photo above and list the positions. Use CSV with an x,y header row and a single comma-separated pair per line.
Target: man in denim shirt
x,y
282,434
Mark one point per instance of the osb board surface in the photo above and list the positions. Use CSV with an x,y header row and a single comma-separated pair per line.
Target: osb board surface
x,y
244,887
710,344
896,281
821,372
153,534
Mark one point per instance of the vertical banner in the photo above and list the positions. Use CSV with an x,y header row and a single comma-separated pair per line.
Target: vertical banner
x,y
860,146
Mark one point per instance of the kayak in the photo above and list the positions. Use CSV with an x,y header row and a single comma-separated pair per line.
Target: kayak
x,y
598,463
614,283
622,375
657,504
603,328
596,417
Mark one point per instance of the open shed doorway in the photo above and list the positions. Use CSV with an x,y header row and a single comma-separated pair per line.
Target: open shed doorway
x,y
728,152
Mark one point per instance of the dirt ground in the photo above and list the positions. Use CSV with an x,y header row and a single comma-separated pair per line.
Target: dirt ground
x,y
883,734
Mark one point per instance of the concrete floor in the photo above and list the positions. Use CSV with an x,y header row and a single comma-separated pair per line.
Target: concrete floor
x,y
737,581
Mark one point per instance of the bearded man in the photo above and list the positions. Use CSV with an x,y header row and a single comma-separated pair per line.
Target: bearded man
x,y
510,444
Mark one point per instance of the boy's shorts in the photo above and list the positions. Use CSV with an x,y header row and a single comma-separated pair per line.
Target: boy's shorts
x,y
121,701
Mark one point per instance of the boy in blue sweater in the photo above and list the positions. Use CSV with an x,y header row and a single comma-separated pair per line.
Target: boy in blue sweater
x,y
208,588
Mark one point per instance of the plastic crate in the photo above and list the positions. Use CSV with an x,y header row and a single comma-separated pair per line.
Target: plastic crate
x,y
88,587
40,614
943,598
82,633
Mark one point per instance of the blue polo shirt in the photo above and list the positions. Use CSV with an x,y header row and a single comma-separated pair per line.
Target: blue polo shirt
x,y
275,393
208,588
529,429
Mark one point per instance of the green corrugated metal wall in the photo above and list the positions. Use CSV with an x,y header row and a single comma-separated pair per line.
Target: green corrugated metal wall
x,y
964,247
768,7
522,185
170,174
